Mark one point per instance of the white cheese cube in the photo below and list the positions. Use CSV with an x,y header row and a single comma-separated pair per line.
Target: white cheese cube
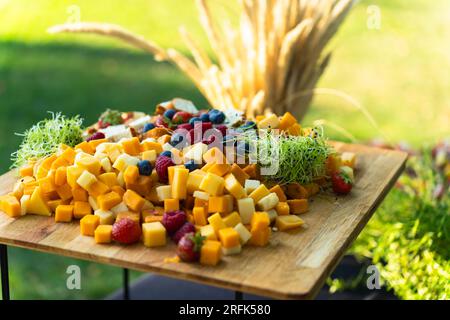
x,y
121,179
244,234
86,179
164,192
121,207
251,185
124,160
106,164
201,195
23,204
230,251
272,213
246,208
106,217
115,133
167,146
196,153
268,202
93,203
139,123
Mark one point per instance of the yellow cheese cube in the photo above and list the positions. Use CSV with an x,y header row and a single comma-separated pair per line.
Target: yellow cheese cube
x,y
200,216
282,208
123,161
208,232
149,155
232,219
171,205
88,224
234,187
106,217
81,209
259,193
151,146
131,174
90,164
201,195
64,213
217,222
212,184
288,222
153,234
214,155
52,204
179,182
109,178
86,179
193,182
269,122
210,253
73,173
103,234
219,169
206,167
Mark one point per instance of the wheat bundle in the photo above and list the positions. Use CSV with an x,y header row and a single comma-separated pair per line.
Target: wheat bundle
x,y
270,62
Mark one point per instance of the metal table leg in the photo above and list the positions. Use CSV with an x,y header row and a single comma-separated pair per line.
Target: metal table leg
x,y
5,273
126,285
238,295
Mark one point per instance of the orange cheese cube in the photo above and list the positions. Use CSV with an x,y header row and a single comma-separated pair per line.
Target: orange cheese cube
x,y
64,213
132,146
103,234
260,237
79,194
259,193
108,200
151,146
222,204
142,186
253,171
295,130
239,174
85,147
97,188
260,221
129,215
210,253
47,185
88,224
171,205
68,154
26,171
298,206
200,216
179,183
189,202
10,205
282,208
280,193
213,184
61,176
288,222
81,209
134,201
234,187
73,173
201,202
47,162
286,121
312,189
53,204
296,191
60,162
119,190
219,169
64,192
131,174
229,237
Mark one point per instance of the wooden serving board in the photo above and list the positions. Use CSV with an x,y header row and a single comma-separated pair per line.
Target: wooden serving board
x,y
294,265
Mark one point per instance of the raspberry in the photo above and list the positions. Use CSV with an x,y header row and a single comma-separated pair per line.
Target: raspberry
x,y
162,163
126,231
96,136
187,227
173,220
222,128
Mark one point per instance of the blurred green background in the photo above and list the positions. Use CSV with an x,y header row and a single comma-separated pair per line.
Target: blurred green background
x,y
399,73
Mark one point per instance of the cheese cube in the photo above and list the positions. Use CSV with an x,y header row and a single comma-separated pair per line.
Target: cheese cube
x,y
36,205
219,169
348,159
214,155
10,205
131,146
121,207
64,213
179,182
201,195
24,203
210,253
97,188
149,155
61,176
196,153
216,222
234,187
103,234
136,217
106,164
244,234
229,237
164,192
153,218
208,232
79,194
286,121
106,217
280,193
85,147
231,251
246,208
206,167
47,184
64,191
171,205
26,171
154,234
253,171
222,204
81,209
193,182
86,179
260,237
108,200
282,208
88,224
259,193
120,179
109,178
131,174
200,216
89,163
298,206
93,203
269,122
134,201
268,202
142,185
232,219
239,174
212,184
260,221
125,160
251,185
272,213
288,222
148,205
151,146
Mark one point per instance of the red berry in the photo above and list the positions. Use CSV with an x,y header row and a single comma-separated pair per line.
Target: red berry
x,y
222,128
187,227
181,117
161,122
204,126
102,124
162,163
96,136
126,231
185,126
189,247
342,184
173,220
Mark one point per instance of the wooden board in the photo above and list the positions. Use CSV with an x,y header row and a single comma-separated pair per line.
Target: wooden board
x,y
294,265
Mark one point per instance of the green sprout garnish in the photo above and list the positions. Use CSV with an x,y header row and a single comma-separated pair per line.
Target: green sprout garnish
x,y
113,117
44,138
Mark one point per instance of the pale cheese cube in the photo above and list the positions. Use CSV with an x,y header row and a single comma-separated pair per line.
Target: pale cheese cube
x,y
196,153
86,179
106,217
230,251
124,160
121,207
106,164
164,192
244,234
251,185
246,208
268,202
201,195
272,213
93,203
24,203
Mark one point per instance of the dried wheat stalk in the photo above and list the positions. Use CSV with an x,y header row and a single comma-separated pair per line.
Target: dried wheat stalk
x,y
275,53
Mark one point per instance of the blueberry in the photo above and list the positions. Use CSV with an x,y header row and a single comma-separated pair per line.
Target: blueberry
x,y
148,127
204,117
166,154
169,113
194,120
191,165
217,117
145,168
213,111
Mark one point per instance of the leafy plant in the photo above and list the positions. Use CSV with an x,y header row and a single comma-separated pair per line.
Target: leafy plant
x,y
43,138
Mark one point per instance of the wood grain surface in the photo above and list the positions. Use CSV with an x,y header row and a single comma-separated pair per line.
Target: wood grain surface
x,y
293,266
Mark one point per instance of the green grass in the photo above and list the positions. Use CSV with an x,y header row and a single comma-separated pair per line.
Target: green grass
x,y
399,73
